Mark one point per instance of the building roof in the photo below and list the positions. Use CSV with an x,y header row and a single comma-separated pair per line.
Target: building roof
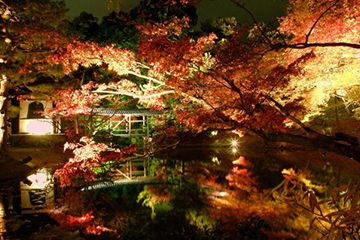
x,y
110,111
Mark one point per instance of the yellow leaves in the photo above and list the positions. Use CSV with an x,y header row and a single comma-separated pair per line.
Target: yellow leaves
x,y
334,217
332,71
312,201
215,160
87,54
294,177
334,68
290,172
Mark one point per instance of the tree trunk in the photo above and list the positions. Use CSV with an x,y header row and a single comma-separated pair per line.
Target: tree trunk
x,y
3,109
341,144
332,144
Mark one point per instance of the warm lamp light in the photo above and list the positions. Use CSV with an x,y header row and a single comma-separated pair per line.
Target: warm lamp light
x,y
223,194
38,126
234,145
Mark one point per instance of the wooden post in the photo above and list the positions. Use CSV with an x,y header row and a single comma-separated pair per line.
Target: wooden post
x,y
76,126
144,125
130,168
126,124
149,145
144,135
110,126
147,127
129,125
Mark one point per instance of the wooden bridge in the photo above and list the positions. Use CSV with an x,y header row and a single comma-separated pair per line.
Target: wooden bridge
x,y
127,123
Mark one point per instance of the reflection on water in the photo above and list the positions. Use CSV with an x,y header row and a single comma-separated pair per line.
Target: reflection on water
x,y
41,179
37,193
226,167
25,205
265,168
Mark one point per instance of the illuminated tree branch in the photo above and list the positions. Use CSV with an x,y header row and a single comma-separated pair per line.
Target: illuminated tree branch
x,y
287,114
305,44
134,95
317,20
145,77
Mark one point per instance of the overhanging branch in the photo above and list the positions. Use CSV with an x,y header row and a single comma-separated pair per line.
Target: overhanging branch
x,y
311,45
317,20
145,77
134,95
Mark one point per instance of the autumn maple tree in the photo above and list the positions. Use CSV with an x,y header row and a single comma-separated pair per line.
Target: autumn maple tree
x,y
269,82
26,40
266,81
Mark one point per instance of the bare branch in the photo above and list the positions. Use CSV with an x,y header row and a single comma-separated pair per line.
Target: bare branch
x,y
221,83
257,24
197,100
239,92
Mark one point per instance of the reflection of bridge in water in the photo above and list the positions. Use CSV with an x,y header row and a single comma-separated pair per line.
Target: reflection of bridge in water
x,y
134,170
34,194
129,124
42,148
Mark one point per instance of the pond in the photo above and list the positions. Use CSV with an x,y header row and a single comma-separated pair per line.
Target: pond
x,y
195,181
266,169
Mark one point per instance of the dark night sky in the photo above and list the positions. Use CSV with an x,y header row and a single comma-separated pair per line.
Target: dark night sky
x,y
264,10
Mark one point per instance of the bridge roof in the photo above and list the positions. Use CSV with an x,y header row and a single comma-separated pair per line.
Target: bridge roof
x,y
110,111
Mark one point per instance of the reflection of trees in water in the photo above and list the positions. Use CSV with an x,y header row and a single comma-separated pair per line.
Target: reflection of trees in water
x,y
265,168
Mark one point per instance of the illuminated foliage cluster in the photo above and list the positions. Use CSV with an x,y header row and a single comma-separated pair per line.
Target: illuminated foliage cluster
x,y
88,156
230,84
78,212
31,38
333,72
75,102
